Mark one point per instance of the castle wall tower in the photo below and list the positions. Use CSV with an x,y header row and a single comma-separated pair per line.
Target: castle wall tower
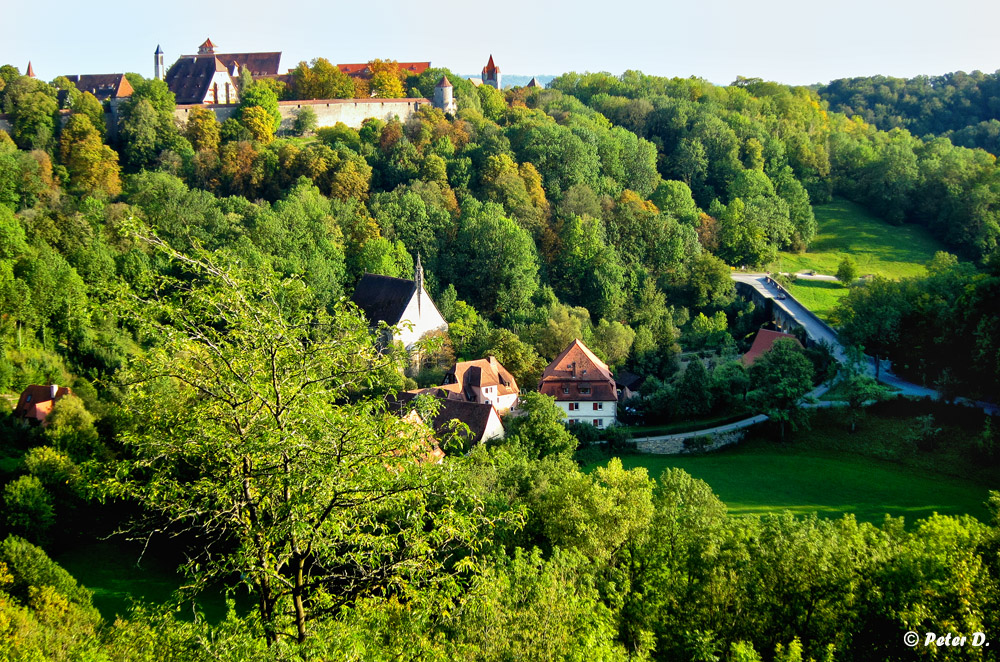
x,y
444,97
158,71
491,74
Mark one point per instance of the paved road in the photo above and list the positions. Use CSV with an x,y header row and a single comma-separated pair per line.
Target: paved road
x,y
819,331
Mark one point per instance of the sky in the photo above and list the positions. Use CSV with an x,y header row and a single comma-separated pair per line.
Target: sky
x,y
796,42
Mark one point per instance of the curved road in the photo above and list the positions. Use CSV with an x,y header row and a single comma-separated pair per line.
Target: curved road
x,y
818,331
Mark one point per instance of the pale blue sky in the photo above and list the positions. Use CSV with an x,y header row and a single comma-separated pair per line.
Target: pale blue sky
x,y
784,40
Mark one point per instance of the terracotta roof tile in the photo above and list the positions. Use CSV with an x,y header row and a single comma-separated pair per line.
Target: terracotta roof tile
x,y
577,374
36,401
481,372
763,342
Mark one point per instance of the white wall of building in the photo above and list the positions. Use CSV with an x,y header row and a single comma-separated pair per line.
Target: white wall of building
x,y
606,414
413,324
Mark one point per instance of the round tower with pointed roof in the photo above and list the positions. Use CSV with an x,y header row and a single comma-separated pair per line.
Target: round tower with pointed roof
x,y
158,71
444,97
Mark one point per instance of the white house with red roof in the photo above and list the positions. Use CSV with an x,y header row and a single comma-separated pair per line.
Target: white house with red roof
x,y
485,381
582,385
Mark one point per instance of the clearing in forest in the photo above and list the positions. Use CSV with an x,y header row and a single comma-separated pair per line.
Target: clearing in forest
x,y
846,229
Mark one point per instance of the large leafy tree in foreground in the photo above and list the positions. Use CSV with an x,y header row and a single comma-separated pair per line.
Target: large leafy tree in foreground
x,y
247,429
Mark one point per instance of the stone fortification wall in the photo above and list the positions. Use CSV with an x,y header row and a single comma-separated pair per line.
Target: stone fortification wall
x,y
351,112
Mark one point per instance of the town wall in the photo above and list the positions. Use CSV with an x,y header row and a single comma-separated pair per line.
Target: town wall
x,y
351,112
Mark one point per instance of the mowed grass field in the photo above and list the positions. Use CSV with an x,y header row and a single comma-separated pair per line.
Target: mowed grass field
x,y
846,229
832,472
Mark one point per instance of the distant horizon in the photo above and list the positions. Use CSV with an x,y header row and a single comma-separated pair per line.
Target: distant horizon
x,y
718,40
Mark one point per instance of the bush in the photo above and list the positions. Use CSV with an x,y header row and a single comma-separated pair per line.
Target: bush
x,y
305,121
28,508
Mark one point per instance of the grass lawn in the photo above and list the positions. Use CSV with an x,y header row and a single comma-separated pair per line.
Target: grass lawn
x,y
876,246
819,296
832,472
110,571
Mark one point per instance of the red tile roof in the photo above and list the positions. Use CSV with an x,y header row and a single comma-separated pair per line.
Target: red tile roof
x,y
37,400
490,68
31,72
207,47
481,372
763,343
575,372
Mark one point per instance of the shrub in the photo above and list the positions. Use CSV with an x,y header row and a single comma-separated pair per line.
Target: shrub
x,y
28,508
305,121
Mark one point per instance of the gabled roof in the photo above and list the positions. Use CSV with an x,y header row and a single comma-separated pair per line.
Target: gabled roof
x,y
190,76
259,64
577,374
103,86
36,401
476,416
383,298
763,342
579,363
207,47
629,380
533,82
361,70
480,373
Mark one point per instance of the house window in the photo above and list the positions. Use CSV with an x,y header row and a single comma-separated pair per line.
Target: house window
x,y
598,406
585,390
574,406
572,421
598,422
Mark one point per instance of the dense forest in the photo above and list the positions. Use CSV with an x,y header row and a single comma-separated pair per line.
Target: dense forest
x,y
962,107
190,283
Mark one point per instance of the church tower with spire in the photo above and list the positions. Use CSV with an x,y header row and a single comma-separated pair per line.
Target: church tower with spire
x,y
30,73
158,71
491,74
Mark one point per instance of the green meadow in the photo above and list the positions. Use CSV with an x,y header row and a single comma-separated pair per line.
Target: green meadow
x,y
846,229
828,470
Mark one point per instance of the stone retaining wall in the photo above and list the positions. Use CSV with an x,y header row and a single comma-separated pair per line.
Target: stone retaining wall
x,y
690,445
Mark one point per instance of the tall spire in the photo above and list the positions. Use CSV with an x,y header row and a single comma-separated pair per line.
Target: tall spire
x,y
31,72
158,70
418,279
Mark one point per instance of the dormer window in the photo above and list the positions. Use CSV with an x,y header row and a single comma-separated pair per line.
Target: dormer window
x,y
585,390
565,390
